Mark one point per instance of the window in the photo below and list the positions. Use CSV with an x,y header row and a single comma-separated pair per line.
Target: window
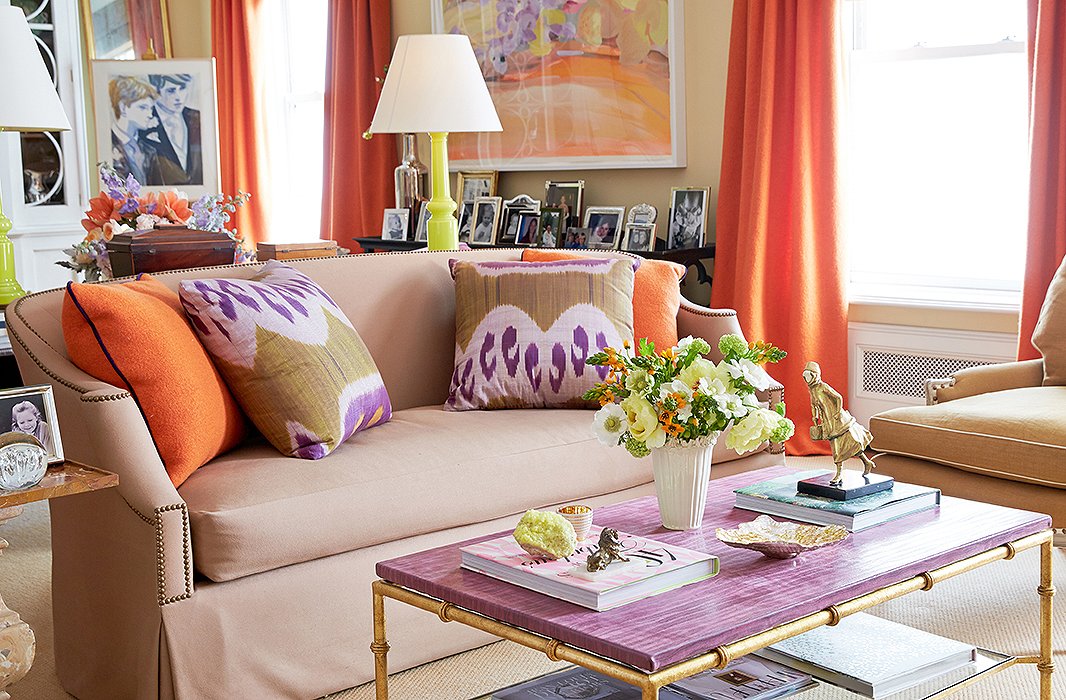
x,y
937,152
294,119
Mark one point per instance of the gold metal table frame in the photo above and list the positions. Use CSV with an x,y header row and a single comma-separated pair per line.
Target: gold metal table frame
x,y
650,683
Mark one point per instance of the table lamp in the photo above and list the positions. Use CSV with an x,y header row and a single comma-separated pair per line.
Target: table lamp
x,y
434,84
28,102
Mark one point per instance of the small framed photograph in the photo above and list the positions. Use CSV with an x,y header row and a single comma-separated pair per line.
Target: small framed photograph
x,y
422,230
642,214
576,237
688,217
471,185
394,224
486,220
508,231
639,238
32,410
605,223
528,227
466,212
552,225
567,196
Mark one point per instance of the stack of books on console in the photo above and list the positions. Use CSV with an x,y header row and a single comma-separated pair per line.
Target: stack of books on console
x,y
874,657
653,568
748,678
779,497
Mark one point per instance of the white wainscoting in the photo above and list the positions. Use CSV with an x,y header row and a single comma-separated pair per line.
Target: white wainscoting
x,y
889,364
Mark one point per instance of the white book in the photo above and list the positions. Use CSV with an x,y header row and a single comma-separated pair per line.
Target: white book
x,y
870,655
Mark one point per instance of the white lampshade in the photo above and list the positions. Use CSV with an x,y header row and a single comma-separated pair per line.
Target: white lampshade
x,y
28,99
434,83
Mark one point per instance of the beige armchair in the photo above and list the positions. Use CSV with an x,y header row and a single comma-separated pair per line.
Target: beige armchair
x,y
990,433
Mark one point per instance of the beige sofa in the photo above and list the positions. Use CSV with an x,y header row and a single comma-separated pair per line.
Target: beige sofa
x,y
252,580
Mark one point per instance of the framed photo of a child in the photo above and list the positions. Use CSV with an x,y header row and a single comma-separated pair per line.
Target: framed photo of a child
x,y
32,410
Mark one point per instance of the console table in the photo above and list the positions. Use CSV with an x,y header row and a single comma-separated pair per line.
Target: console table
x,y
689,257
17,643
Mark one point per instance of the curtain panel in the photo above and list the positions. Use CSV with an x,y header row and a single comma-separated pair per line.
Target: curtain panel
x,y
357,179
780,259
1047,157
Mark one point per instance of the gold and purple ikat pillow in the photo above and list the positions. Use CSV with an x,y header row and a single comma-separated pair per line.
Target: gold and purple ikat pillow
x,y
523,330
290,356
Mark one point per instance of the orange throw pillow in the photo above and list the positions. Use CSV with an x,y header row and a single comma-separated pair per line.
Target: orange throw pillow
x,y
135,335
656,295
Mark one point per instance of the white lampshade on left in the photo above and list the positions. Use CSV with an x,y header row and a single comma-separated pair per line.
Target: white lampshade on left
x,y
28,99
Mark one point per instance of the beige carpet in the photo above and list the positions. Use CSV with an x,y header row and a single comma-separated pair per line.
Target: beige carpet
x,y
994,607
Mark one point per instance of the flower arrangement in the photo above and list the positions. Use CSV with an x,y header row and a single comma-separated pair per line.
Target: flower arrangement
x,y
678,396
122,208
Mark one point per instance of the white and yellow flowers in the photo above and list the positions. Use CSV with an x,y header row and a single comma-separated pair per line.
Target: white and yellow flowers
x,y
679,396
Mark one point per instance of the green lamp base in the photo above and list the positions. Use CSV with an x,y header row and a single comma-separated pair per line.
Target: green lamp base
x,y
442,230
10,289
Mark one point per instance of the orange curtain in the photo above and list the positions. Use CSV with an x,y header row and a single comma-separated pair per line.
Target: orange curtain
x,y
779,259
234,28
1047,158
357,180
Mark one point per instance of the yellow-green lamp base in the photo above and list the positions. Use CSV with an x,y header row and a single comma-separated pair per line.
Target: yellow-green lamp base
x,y
442,230
10,289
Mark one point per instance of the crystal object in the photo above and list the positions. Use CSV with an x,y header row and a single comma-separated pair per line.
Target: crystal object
x,y
781,540
23,461
410,176
546,534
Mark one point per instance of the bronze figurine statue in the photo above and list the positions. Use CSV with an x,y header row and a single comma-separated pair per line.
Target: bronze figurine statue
x,y
832,422
608,550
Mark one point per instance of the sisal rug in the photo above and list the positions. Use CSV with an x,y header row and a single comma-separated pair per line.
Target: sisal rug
x,y
994,607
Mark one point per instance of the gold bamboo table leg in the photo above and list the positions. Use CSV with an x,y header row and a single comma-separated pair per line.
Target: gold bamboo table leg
x,y
1046,590
380,646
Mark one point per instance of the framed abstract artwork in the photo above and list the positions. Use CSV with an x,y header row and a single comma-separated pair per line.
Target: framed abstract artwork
x,y
577,85
158,121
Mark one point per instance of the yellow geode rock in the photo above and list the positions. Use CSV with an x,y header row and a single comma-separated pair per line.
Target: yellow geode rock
x,y
545,534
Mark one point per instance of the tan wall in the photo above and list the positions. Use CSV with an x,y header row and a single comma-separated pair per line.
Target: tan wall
x,y
190,28
707,24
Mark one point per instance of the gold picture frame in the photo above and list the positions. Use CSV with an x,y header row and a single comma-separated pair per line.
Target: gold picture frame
x,y
484,180
687,227
154,12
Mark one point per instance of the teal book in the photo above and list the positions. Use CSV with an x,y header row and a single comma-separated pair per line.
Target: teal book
x,y
779,497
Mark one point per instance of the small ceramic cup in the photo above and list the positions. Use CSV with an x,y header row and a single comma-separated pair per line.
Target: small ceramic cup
x,y
580,517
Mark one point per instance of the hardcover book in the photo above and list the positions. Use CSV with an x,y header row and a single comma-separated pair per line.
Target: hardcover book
x,y
748,678
779,497
870,655
653,568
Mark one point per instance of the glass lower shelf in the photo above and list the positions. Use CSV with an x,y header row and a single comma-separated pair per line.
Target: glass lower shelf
x,y
987,663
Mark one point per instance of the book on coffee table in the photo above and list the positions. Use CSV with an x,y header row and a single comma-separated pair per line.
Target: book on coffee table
x,y
749,678
779,497
653,568
872,656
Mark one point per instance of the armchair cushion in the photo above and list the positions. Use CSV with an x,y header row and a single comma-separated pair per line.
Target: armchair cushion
x,y
1018,434
1049,336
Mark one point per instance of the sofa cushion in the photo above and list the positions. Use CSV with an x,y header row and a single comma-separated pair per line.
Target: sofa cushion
x,y
427,469
656,295
1049,336
1018,434
291,357
134,335
523,330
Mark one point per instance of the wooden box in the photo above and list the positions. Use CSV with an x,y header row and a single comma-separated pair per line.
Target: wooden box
x,y
168,248
297,251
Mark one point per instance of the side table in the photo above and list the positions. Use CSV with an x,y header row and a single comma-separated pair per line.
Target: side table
x,y
17,643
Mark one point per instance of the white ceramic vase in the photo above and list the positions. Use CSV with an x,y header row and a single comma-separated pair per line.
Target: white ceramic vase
x,y
681,476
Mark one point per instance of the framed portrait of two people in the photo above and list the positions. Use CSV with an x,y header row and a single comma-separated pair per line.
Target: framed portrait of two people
x,y
158,121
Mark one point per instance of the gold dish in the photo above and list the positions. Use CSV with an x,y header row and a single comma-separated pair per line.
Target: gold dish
x,y
779,540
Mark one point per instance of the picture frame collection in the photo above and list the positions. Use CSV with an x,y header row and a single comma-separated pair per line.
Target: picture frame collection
x,y
559,220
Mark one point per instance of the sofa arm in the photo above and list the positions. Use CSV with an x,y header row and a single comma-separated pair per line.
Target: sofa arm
x,y
985,379
709,324
102,425
773,396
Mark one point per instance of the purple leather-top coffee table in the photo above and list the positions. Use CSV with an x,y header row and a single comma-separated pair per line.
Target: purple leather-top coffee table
x,y
753,602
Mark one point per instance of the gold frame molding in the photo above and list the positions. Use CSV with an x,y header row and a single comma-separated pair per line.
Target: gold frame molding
x,y
85,8
650,683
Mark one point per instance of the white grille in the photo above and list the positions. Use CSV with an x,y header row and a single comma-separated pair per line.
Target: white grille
x,y
904,374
